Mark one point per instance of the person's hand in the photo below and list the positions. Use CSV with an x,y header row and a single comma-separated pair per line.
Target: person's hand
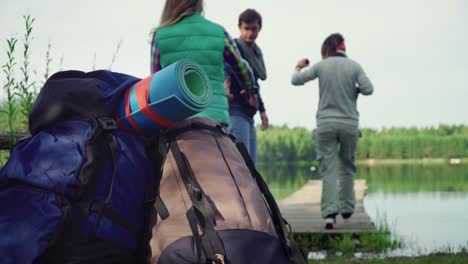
x,y
264,118
227,85
253,100
302,64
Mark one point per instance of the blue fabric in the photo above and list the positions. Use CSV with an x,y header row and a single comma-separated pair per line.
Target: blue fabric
x,y
28,219
128,193
171,96
109,230
242,127
51,159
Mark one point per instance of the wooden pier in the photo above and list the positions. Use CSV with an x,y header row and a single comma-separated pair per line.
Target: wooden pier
x,y
302,210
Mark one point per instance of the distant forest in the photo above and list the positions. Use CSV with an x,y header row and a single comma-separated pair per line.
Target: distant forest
x,y
280,143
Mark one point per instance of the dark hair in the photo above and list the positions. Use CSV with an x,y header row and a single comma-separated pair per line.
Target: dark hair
x,y
250,16
330,45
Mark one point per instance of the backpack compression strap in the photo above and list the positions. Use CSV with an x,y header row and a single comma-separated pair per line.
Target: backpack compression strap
x,y
201,213
292,250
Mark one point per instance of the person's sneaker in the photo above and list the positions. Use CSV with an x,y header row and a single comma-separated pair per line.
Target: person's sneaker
x,y
346,215
330,220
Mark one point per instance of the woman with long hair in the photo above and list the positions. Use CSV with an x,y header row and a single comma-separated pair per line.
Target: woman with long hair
x,y
340,81
184,33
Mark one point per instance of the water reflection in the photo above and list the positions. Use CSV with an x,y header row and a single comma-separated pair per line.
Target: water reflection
x,y
415,178
426,206
284,180
426,221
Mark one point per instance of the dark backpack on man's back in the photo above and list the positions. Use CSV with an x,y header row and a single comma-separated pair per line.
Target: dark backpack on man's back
x,y
77,190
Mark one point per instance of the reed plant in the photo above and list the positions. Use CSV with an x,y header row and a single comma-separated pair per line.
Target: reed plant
x,y
9,108
26,86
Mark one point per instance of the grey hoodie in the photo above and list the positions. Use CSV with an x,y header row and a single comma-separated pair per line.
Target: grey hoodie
x,y
340,81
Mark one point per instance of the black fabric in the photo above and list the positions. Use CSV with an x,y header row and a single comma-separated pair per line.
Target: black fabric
x,y
156,149
289,246
103,211
161,208
76,94
242,247
67,98
114,151
92,252
193,222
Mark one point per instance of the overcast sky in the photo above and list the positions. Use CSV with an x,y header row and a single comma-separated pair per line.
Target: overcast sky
x,y
414,51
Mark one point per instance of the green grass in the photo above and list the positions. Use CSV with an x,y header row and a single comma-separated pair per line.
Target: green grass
x,y
378,242
392,162
4,154
373,242
439,258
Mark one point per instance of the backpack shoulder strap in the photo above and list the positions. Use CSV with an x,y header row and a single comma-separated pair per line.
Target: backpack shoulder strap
x,y
292,250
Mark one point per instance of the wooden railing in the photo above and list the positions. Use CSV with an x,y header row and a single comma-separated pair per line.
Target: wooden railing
x,y
7,140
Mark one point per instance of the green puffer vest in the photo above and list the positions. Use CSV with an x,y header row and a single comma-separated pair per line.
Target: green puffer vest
x,y
202,41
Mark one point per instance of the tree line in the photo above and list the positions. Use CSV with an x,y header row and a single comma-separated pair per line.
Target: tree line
x,y
283,144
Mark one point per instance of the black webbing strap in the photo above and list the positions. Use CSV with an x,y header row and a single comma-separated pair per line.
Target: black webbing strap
x,y
201,211
156,150
114,150
292,250
116,218
158,159
90,170
193,222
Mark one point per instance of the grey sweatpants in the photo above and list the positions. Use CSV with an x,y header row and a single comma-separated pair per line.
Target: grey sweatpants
x,y
336,147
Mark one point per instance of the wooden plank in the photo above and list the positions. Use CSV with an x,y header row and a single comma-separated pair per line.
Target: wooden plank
x,y
307,218
311,193
302,210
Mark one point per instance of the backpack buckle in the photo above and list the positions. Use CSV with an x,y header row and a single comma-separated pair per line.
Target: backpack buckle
x,y
222,129
107,123
196,192
218,259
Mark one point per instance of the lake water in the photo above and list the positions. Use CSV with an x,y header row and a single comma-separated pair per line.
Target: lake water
x,y
425,206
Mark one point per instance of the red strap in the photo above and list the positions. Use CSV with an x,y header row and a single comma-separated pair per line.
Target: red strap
x,y
142,94
127,110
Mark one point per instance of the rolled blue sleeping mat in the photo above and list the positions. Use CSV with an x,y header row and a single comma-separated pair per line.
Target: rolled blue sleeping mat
x,y
173,94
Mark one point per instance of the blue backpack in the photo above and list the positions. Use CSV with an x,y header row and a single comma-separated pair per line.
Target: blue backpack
x,y
78,190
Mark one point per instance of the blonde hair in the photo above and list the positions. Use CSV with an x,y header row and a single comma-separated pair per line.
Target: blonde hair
x,y
175,10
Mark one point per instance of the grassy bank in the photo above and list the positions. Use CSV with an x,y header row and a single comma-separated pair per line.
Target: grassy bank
x,y
391,162
442,258
347,244
368,162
